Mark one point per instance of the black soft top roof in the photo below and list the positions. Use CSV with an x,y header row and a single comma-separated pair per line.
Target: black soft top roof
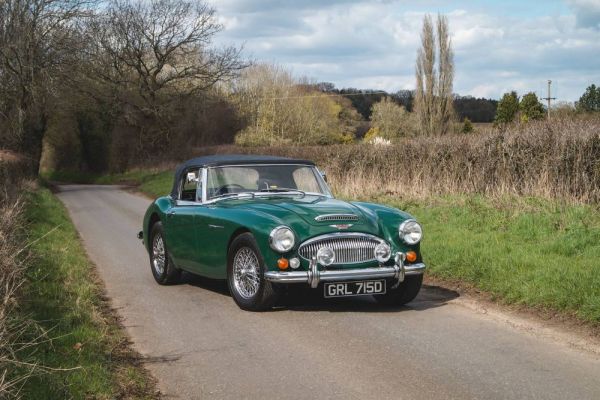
x,y
229,159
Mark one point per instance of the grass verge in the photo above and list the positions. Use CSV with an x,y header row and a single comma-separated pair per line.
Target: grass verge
x,y
523,251
526,251
89,354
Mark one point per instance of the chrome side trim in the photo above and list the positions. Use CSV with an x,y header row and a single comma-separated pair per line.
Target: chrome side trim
x,y
311,277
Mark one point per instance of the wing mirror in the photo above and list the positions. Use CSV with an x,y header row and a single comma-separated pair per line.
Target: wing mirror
x,y
191,177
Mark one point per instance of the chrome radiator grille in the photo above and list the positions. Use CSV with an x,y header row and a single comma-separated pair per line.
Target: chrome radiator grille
x,y
349,248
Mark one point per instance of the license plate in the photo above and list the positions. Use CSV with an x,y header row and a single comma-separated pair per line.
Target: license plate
x,y
354,288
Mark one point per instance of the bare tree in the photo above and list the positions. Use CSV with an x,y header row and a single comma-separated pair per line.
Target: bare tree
x,y
426,80
444,100
433,97
37,40
156,53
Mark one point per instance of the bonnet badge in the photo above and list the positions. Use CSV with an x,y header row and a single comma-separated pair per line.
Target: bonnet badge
x,y
341,226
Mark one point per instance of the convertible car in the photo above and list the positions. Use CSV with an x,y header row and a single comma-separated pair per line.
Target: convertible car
x,y
263,223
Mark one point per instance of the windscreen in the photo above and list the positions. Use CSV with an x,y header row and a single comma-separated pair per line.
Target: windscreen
x,y
264,178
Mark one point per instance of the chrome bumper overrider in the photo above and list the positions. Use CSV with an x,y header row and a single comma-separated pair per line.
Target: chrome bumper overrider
x,y
313,276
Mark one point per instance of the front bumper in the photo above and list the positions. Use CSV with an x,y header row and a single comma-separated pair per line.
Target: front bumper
x,y
313,276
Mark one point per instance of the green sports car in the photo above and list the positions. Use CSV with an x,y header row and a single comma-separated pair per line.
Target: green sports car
x,y
263,223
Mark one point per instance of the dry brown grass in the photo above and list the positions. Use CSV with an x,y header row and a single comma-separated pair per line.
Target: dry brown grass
x,y
556,159
12,371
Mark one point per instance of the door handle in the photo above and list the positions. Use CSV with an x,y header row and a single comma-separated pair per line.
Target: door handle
x,y
170,213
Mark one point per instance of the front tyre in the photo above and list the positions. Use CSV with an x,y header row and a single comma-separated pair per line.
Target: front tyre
x,y
404,293
245,275
163,269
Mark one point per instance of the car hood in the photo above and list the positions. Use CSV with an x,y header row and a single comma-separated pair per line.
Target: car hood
x,y
299,213
307,208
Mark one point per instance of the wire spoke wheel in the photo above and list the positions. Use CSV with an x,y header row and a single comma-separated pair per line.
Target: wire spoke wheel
x,y
158,254
246,272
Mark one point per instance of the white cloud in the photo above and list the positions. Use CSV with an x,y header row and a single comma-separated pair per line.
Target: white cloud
x,y
587,13
369,44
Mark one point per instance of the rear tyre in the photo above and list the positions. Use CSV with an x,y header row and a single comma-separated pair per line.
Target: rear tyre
x,y
163,269
245,275
404,293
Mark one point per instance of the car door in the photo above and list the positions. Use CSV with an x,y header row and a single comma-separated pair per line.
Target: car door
x,y
213,237
180,227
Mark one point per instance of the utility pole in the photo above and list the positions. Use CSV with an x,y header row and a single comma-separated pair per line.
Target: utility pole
x,y
549,99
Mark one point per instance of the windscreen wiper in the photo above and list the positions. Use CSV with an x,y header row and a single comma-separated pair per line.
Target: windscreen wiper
x,y
283,190
229,196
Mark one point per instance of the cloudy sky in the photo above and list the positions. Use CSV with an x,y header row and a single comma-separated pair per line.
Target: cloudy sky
x,y
499,45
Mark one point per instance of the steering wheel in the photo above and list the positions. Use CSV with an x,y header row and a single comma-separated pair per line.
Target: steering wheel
x,y
221,190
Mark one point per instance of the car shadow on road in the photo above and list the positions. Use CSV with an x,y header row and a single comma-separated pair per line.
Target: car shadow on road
x,y
214,285
302,298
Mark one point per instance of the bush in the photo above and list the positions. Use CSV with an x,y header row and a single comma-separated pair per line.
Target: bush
x,y
467,126
555,159
590,100
253,137
392,121
508,107
531,108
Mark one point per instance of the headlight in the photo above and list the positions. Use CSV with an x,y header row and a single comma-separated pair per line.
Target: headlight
x,y
410,231
282,239
383,252
325,256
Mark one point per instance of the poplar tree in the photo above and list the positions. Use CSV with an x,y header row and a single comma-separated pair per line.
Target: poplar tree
x,y
435,76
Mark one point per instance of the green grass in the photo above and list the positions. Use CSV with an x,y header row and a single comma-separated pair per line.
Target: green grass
x,y
527,251
63,295
522,251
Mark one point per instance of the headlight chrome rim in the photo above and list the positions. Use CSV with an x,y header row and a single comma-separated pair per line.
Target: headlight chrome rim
x,y
275,238
408,228
325,259
387,252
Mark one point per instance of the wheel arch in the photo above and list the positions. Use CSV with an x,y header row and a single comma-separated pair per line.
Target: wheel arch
x,y
152,220
240,230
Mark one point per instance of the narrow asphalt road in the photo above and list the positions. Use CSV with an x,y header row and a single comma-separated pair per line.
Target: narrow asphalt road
x,y
200,345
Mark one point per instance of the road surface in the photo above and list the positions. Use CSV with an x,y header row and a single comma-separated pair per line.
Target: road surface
x,y
200,345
